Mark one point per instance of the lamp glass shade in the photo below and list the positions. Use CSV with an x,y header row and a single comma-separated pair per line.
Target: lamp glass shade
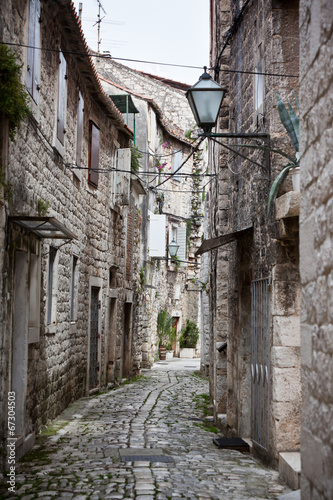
x,y
205,99
173,248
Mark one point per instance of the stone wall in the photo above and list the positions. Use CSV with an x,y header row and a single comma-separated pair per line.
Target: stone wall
x,y
316,248
160,106
218,199
170,100
55,366
263,35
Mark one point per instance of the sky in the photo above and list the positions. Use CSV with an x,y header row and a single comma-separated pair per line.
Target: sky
x,y
173,31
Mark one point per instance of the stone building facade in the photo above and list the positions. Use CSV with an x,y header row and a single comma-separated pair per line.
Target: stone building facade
x,y
316,92
69,243
172,210
254,277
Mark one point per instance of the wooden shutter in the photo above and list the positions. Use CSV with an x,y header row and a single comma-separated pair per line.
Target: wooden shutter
x,y
79,133
181,240
157,235
93,154
129,244
35,81
33,54
62,96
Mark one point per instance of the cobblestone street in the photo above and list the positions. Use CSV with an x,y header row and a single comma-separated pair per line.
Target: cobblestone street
x,y
144,440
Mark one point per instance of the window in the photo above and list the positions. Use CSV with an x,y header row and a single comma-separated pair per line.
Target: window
x,y
79,132
62,98
258,87
52,287
177,161
74,289
93,154
33,53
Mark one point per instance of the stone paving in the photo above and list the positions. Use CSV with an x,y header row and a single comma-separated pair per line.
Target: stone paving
x,y
155,423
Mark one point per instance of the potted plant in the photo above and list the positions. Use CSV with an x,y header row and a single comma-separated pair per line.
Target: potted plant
x,y
189,336
290,122
165,332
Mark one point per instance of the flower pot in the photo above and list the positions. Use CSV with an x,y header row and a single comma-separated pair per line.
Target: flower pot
x,y
187,352
169,354
296,178
162,352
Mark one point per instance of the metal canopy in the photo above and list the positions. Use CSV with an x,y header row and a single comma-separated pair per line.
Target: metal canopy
x,y
44,227
212,243
124,103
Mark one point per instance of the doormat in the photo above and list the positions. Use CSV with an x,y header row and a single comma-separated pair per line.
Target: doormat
x,y
237,444
144,455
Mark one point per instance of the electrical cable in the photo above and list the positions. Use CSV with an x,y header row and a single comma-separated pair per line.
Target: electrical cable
x,y
101,56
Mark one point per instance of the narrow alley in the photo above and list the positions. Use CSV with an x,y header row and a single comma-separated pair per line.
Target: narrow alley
x,y
146,440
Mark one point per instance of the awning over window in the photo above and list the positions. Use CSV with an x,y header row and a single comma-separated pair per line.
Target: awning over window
x,y
44,227
208,245
124,103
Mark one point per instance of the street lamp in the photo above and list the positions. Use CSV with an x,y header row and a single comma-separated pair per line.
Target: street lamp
x,y
205,100
173,249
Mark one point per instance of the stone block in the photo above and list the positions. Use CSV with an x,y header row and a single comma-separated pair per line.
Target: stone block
x,y
285,357
286,384
290,468
306,345
286,331
287,205
285,298
312,461
307,252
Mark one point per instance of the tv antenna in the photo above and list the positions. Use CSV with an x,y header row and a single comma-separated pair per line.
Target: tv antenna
x,y
98,22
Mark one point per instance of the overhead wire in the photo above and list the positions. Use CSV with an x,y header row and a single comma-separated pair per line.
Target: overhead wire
x,y
107,56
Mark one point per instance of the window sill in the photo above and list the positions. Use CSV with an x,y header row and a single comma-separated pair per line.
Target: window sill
x,y
72,327
51,329
77,173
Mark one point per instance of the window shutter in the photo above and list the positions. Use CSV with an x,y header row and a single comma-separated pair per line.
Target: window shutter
x,y
123,176
181,240
157,235
31,41
79,133
93,154
62,95
129,244
177,161
35,77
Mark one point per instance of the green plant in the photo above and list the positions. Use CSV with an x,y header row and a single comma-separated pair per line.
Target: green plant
x,y
6,185
189,335
14,102
43,206
135,157
166,332
290,122
176,261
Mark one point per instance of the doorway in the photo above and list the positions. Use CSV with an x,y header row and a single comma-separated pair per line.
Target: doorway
x,y
127,340
94,313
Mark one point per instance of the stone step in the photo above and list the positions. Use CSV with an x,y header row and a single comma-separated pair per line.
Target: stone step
x,y
293,495
290,468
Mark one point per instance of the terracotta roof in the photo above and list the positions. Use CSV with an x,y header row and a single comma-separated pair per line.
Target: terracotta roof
x,y
71,25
